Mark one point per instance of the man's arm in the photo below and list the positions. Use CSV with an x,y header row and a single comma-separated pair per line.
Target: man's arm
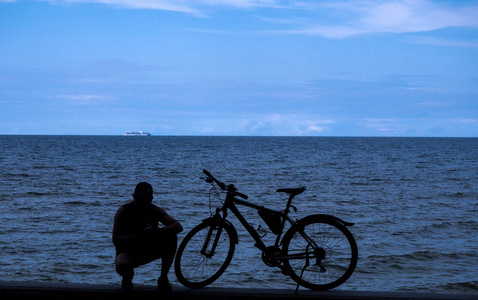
x,y
119,239
170,224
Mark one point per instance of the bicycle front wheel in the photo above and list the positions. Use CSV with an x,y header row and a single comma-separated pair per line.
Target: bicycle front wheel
x,y
320,253
204,254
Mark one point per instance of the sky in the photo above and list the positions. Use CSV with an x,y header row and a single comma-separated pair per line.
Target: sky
x,y
239,67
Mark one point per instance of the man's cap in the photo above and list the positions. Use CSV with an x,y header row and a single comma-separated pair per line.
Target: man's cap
x,y
143,188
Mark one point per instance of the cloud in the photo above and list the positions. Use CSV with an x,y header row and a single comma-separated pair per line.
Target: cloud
x,y
329,19
414,15
445,42
280,124
314,128
194,7
468,121
383,126
178,6
399,16
81,98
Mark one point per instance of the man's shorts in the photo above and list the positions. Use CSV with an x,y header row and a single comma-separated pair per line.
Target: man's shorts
x,y
149,249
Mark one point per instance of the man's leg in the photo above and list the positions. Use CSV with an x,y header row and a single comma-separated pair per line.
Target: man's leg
x,y
170,244
164,247
125,267
167,249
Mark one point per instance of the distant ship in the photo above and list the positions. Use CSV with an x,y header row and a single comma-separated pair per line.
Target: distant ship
x,y
137,133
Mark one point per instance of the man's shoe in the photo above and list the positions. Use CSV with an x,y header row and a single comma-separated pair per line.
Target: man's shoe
x,y
127,284
163,285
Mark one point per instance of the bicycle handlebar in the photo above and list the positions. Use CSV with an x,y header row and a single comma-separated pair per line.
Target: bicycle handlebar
x,y
219,183
243,196
222,185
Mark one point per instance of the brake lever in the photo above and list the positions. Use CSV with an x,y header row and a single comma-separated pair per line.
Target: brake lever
x,y
294,208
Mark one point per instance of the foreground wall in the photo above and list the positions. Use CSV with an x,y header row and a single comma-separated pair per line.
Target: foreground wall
x,y
39,291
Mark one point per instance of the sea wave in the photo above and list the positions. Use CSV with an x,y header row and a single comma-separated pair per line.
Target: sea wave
x,y
470,287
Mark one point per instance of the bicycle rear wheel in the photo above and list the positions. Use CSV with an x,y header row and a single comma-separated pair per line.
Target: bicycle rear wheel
x,y
197,264
325,259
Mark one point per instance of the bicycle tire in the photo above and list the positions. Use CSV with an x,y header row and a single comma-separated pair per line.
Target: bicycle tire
x,y
331,264
194,269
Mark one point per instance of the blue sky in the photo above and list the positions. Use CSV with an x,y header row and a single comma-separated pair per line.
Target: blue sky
x,y
239,67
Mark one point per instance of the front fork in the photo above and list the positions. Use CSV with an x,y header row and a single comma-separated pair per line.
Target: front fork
x,y
217,222
211,252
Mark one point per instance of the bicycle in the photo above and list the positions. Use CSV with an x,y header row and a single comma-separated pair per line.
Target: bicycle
x,y
318,251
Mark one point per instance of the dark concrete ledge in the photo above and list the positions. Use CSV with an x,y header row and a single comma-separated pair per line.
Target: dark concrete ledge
x,y
50,291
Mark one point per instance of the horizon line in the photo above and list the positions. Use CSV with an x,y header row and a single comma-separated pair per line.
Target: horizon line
x,y
265,136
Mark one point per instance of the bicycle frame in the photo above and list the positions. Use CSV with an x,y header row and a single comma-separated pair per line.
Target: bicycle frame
x,y
230,204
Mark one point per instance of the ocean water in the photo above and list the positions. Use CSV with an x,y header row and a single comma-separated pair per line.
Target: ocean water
x,y
414,202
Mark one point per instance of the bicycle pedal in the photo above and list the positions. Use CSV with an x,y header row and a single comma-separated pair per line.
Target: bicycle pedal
x,y
284,272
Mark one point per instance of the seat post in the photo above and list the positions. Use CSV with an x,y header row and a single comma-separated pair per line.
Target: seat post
x,y
292,193
289,202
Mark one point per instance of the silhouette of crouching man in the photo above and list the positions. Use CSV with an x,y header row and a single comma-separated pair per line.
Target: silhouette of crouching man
x,y
139,240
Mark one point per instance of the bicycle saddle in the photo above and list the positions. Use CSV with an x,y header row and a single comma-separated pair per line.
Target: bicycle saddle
x,y
292,192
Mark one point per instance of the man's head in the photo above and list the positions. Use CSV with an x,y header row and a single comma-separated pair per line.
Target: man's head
x,y
143,194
